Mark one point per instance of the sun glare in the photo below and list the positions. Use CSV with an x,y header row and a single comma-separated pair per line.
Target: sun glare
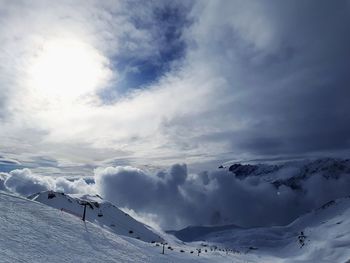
x,y
68,70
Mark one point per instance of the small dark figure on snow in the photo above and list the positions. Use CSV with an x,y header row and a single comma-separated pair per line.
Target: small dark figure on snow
x,y
301,239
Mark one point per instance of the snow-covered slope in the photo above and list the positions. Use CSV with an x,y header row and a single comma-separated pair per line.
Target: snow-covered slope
x,y
195,233
323,235
34,232
99,212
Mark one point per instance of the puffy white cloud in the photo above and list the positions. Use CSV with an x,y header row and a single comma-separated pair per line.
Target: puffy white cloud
x,y
2,182
154,194
24,182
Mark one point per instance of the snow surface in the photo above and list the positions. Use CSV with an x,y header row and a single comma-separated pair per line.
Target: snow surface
x,y
34,232
323,235
100,212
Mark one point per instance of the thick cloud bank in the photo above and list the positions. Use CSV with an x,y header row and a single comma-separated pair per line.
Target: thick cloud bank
x,y
247,195
176,198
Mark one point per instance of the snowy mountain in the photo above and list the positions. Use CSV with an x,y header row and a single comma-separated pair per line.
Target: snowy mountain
x,y
34,232
322,235
292,174
100,212
47,227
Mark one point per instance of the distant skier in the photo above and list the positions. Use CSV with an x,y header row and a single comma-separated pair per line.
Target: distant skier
x,y
301,239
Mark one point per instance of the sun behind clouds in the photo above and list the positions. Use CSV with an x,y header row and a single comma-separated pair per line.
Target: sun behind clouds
x,y
66,70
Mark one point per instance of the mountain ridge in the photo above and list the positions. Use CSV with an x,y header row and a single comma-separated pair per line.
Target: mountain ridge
x,y
98,211
295,171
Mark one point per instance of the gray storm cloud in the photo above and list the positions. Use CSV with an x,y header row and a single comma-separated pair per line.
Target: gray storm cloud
x,y
178,198
284,66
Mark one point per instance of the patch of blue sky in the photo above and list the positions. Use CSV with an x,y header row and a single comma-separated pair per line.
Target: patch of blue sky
x,y
136,71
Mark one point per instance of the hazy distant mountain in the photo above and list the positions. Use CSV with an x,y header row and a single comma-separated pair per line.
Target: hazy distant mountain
x,y
292,174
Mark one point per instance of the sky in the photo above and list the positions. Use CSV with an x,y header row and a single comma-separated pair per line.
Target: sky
x,y
85,84
152,85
